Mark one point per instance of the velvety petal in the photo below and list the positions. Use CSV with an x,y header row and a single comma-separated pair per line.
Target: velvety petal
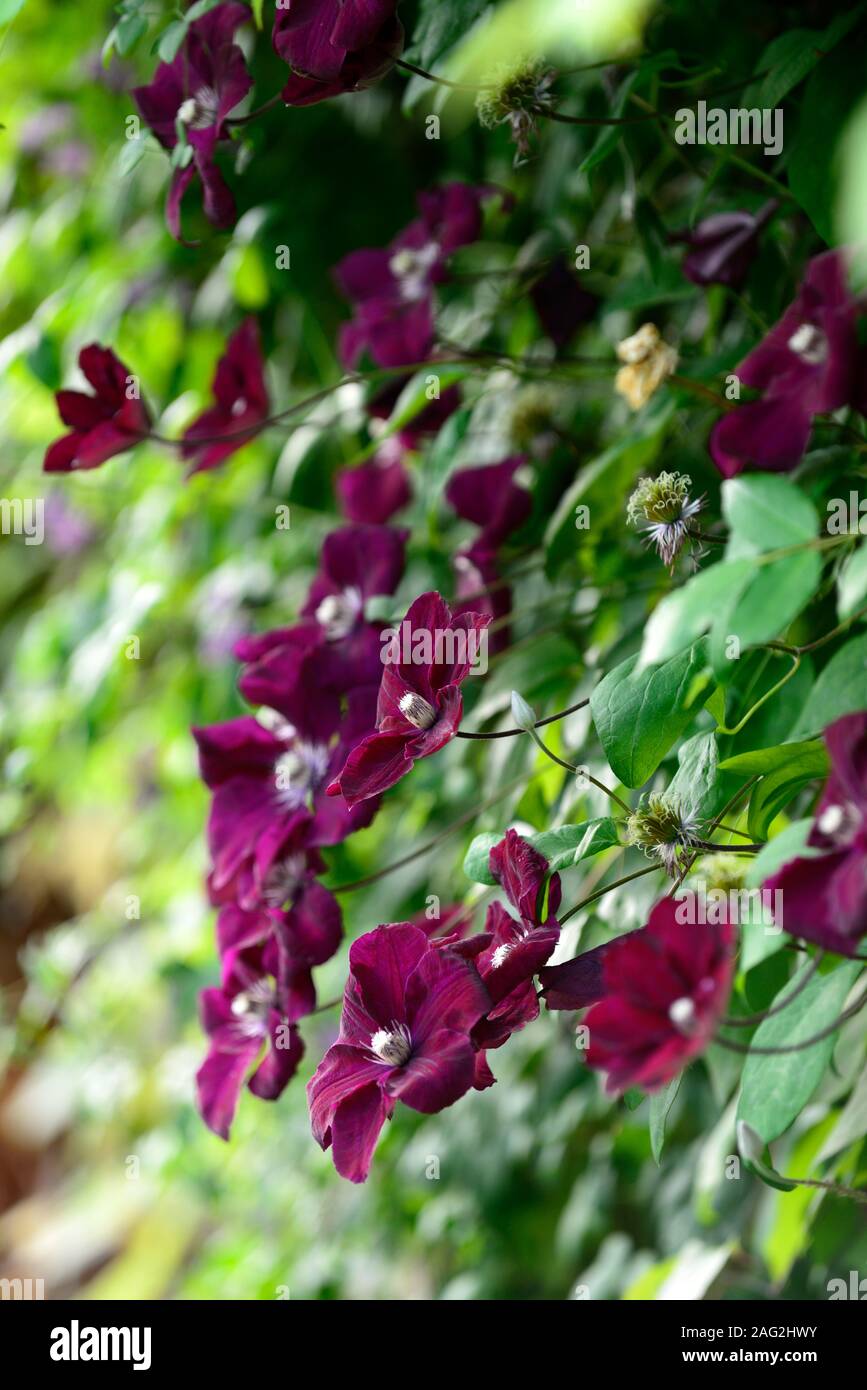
x,y
355,1130
342,1071
522,871
440,1071
443,991
375,765
770,435
561,303
381,962
218,1083
280,1062
373,491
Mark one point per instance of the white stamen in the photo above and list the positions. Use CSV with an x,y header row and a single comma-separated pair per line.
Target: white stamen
x,y
239,406
810,344
299,771
200,111
831,819
337,614
283,880
417,711
411,268
682,1014
392,1045
499,956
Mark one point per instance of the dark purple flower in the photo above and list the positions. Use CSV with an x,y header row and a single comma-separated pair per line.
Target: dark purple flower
x,y
824,895
109,422
419,708
241,403
269,801
196,92
241,1017
408,1012
335,46
562,303
666,988
722,246
575,984
338,646
306,932
490,498
806,364
516,949
374,491
392,289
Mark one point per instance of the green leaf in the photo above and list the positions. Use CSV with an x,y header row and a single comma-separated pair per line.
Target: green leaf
x,y
439,26
698,780
791,57
830,98
128,31
170,40
852,584
685,614
841,688
791,843
569,844
852,1124
660,1106
131,155
766,512
763,608
774,1089
9,9
639,715
476,859
806,763
762,760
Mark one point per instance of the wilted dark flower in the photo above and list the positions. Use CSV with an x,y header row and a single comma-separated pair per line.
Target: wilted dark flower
x,y
241,403
562,303
648,360
722,246
511,96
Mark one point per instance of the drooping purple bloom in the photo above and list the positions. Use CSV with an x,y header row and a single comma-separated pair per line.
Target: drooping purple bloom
x,y
807,364
722,246
419,707
341,649
577,983
375,491
824,895
269,800
392,289
562,303
242,1017
241,403
489,497
408,1012
335,46
196,93
517,948
109,422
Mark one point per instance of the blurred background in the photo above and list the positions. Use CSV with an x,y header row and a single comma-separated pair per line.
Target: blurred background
x,y
110,1185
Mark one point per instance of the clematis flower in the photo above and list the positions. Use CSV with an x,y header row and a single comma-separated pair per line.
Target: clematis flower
x,y
806,364
109,422
408,1011
489,497
664,511
392,289
335,46
825,894
305,933
420,705
269,783
374,491
356,563
666,988
195,93
241,403
241,1017
516,949
561,303
578,983
722,246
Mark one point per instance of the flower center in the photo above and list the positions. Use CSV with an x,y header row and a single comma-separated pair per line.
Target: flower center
x,y
412,267
252,1006
337,614
283,880
682,1015
298,772
239,406
200,111
810,344
392,1045
417,711
839,823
